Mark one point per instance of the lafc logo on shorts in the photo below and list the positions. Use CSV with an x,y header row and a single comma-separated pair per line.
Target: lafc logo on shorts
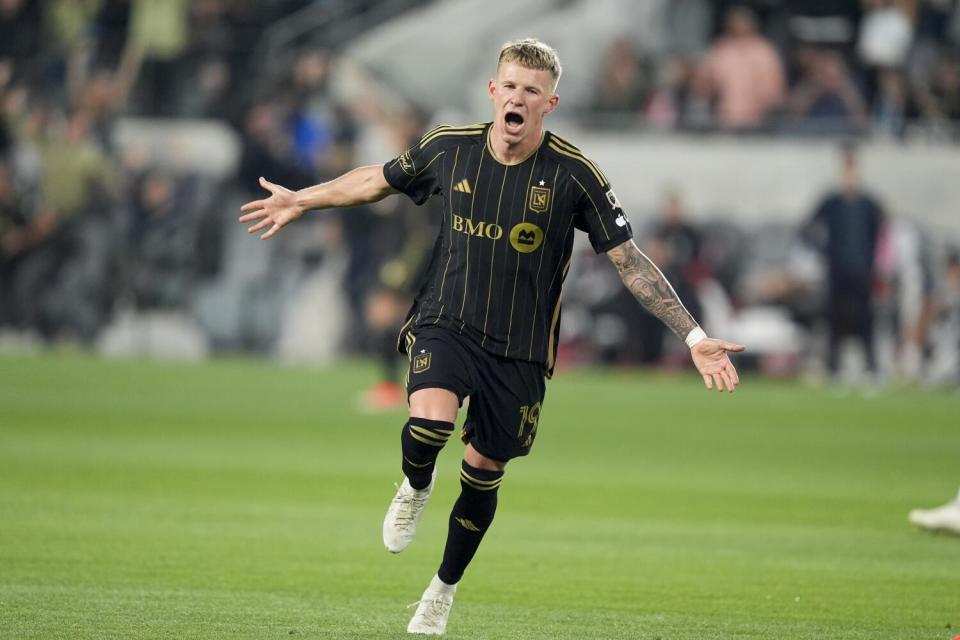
x,y
539,199
526,237
421,362
406,163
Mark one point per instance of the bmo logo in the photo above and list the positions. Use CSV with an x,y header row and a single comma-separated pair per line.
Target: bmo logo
x,y
526,237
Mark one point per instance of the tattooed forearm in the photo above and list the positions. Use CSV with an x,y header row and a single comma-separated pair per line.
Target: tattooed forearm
x,y
651,289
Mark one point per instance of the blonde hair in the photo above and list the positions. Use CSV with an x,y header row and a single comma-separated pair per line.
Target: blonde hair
x,y
532,54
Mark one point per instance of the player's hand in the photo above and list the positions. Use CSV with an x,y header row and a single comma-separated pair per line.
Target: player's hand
x,y
276,212
710,357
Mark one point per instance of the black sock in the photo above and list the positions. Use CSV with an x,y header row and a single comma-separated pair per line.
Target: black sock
x,y
421,442
471,517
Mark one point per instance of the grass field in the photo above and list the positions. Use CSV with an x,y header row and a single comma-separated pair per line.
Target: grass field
x,y
241,500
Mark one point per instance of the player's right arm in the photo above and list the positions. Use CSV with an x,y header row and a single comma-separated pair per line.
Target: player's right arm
x,y
362,185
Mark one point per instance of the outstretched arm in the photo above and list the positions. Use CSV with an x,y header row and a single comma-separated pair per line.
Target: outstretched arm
x,y
649,286
362,185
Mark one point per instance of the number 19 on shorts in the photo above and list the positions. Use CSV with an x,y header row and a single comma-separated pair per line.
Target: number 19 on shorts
x,y
529,420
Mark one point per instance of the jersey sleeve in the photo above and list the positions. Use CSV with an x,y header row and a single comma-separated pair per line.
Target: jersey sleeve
x,y
414,172
598,211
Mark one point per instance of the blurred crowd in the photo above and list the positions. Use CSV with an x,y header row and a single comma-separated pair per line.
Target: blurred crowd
x,y
106,244
854,295
852,67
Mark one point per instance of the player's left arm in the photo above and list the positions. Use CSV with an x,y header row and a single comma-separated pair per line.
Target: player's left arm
x,y
652,290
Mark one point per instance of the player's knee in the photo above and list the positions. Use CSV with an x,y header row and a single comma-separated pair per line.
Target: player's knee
x,y
422,436
434,404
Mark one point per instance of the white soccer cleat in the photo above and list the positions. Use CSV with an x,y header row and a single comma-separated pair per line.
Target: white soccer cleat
x,y
400,523
433,610
945,518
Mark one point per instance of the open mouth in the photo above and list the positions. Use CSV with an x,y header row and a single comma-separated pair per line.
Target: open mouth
x,y
513,121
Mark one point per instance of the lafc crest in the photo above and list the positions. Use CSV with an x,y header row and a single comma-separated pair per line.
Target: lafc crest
x,y
539,200
421,362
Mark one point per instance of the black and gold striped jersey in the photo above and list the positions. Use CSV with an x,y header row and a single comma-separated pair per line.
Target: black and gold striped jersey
x,y
506,238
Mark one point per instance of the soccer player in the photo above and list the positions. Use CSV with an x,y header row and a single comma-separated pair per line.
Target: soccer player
x,y
484,323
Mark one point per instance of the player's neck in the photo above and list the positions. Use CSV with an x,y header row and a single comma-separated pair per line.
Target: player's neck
x,y
510,154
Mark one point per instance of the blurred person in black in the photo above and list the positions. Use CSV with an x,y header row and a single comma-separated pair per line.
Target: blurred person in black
x,y
825,100
485,321
162,246
20,23
845,227
623,87
17,236
939,99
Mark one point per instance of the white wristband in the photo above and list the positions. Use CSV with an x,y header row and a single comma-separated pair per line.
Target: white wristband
x,y
695,336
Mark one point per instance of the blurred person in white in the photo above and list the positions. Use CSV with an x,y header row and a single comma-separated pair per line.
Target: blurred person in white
x,y
513,194
742,74
886,35
845,227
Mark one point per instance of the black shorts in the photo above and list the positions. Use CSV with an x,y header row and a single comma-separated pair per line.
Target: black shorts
x,y
506,395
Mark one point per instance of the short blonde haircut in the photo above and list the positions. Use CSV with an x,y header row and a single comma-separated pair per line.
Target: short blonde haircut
x,y
532,54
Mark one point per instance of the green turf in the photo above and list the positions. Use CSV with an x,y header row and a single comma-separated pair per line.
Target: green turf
x,y
241,500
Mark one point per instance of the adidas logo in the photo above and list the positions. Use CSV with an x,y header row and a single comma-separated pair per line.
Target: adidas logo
x,y
463,186
468,525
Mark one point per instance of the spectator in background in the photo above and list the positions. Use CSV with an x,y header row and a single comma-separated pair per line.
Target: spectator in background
x,y
886,35
825,100
623,86
667,106
937,330
948,308
939,99
742,74
268,147
19,39
161,243
933,67
845,227
159,28
208,77
16,238
53,275
323,129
